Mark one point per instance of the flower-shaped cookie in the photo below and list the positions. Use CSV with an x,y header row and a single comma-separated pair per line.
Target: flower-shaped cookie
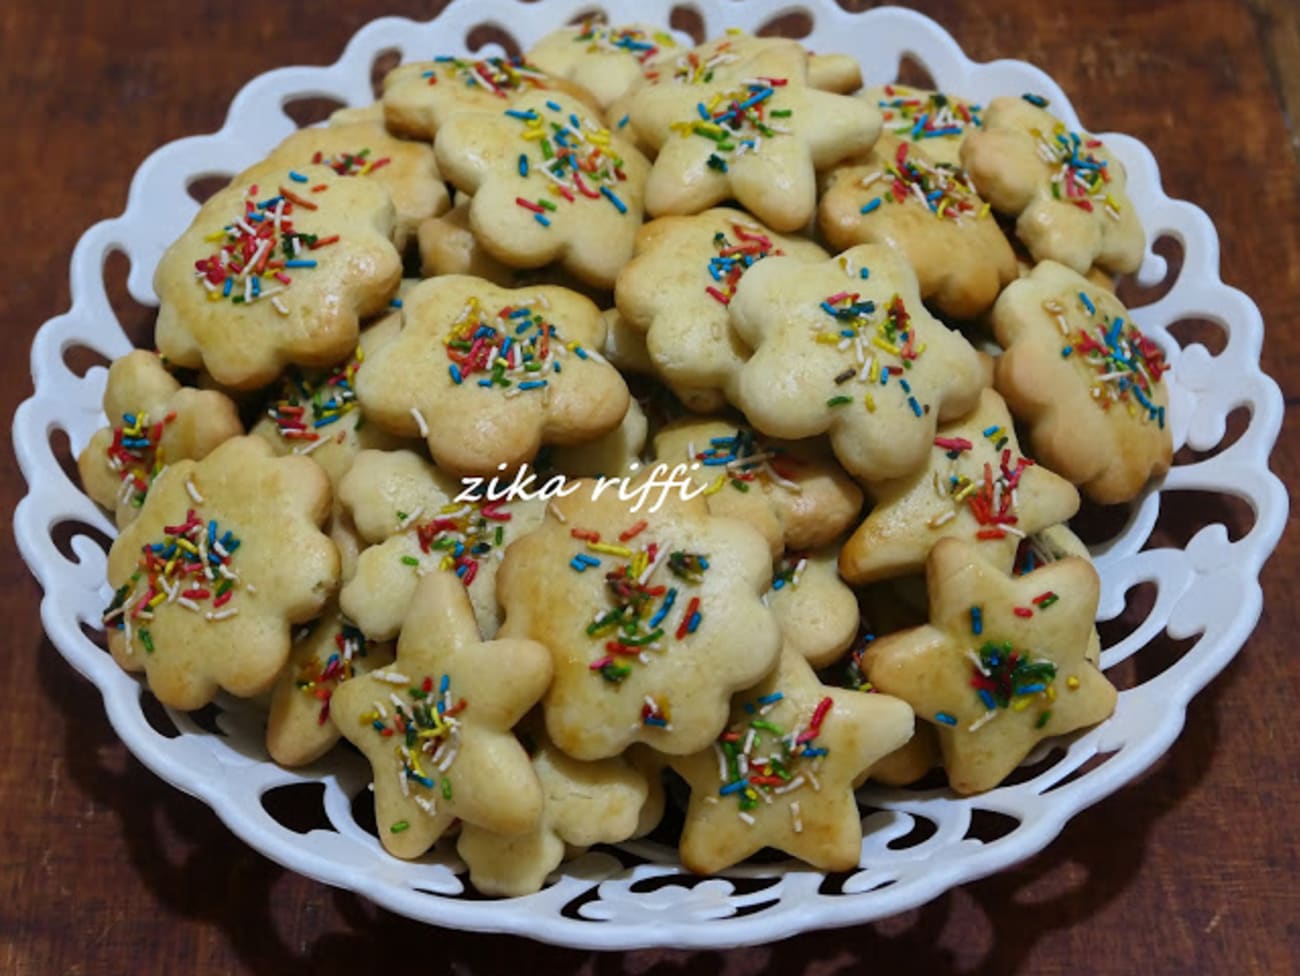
x,y
606,61
225,557
760,141
935,121
652,616
781,774
1086,380
406,169
415,522
585,803
625,347
436,725
299,729
677,288
1001,664
278,268
977,486
420,97
793,493
549,184
930,212
846,347
153,421
487,376
617,453
1065,189
818,614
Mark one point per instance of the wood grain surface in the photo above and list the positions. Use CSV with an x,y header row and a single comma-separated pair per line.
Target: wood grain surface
x,y
1192,869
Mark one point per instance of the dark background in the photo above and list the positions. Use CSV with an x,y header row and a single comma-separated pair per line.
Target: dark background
x,y
1193,869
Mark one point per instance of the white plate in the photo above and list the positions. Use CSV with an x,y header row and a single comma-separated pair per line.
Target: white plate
x,y
639,896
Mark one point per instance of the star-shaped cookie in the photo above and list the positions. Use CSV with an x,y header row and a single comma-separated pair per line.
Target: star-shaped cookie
x,y
676,290
153,421
845,347
1085,380
549,182
792,492
781,774
651,609
436,725
487,375
224,558
977,486
900,196
1001,664
585,803
416,521
1065,189
278,268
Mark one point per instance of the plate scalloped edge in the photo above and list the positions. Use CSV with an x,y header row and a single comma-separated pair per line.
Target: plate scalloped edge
x,y
1209,588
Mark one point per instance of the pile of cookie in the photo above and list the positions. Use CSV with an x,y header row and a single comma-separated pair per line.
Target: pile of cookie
x,y
672,451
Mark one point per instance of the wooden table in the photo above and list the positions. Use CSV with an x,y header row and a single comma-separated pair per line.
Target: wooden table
x,y
105,869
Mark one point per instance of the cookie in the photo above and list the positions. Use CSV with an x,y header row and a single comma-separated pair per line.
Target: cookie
x,y
676,289
845,347
153,421
487,375
781,773
298,728
817,613
549,184
406,169
976,486
937,122
420,97
606,61
1085,380
436,725
838,73
617,453
760,142
929,211
1065,189
278,268
1001,664
224,558
793,493
585,803
625,346
1046,547
416,521
652,616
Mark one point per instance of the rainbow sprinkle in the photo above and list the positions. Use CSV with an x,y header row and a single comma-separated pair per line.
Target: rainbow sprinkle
x,y
733,260
136,454
516,349
190,567
319,678
575,158
745,458
789,571
990,499
630,41
1077,175
872,340
426,729
760,760
351,164
944,190
501,77
1004,677
694,68
1124,364
736,121
304,406
463,533
934,116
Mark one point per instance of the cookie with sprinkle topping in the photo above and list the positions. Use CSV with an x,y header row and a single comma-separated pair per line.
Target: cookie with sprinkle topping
x,y
406,169
977,486
487,375
278,268
585,803
845,347
677,288
1085,379
760,141
652,615
225,557
1000,666
935,121
550,184
299,729
153,421
436,725
407,512
793,493
929,210
607,61
781,773
420,97
818,614
1065,189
